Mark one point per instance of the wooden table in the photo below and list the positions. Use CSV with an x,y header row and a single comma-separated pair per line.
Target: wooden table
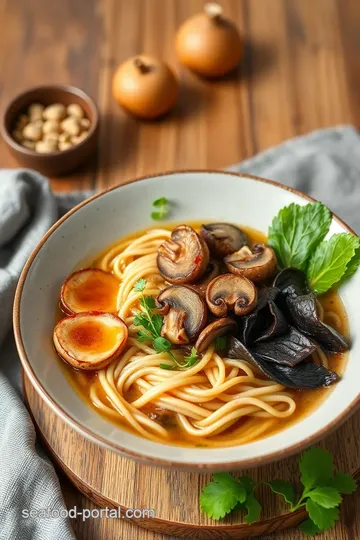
x,y
301,72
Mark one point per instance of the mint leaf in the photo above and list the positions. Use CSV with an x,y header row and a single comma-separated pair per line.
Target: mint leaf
x,y
352,266
160,208
329,261
283,488
324,518
221,495
315,464
140,285
309,527
253,509
296,231
344,483
327,497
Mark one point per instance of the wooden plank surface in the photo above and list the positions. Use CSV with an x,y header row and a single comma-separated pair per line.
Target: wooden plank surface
x,y
301,72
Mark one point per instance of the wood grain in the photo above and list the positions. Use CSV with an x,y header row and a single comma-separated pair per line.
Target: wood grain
x,y
301,72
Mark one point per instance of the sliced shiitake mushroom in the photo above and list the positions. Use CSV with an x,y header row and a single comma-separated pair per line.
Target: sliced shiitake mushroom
x,y
90,289
228,293
184,311
184,257
212,270
223,238
257,263
90,340
218,328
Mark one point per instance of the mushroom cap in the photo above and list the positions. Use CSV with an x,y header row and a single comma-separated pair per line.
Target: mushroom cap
x,y
256,264
212,270
89,341
218,328
184,257
90,289
223,238
229,292
184,310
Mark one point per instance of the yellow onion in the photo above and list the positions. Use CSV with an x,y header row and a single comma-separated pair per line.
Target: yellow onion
x,y
208,43
145,86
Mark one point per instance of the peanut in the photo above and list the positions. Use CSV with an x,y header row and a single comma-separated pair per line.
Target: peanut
x,y
54,112
45,147
32,132
71,125
75,110
51,126
65,145
35,111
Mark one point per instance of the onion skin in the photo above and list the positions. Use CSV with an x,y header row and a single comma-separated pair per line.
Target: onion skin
x,y
211,48
145,86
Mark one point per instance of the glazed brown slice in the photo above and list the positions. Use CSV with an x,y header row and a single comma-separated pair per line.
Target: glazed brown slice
x,y
90,289
90,340
257,263
184,311
184,257
227,293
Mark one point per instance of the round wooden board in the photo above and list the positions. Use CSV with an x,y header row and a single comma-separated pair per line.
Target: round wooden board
x,y
113,481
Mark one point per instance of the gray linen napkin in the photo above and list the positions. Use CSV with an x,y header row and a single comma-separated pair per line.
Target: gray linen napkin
x,y
324,164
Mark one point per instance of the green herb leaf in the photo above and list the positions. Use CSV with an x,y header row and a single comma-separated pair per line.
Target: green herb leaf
x,y
166,366
143,336
324,518
352,266
344,483
192,358
309,527
253,509
221,495
161,344
283,488
221,343
157,321
147,302
296,231
315,465
160,208
141,319
248,484
140,285
329,262
328,497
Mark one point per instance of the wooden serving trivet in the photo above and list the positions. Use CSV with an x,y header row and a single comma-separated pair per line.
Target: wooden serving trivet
x,y
113,481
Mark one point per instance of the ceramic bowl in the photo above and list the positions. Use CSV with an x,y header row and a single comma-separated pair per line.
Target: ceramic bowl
x,y
103,219
54,163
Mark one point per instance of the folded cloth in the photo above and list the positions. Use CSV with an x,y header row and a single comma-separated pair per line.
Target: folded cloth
x,y
325,164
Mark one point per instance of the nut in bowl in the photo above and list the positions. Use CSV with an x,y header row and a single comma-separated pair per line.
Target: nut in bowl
x,y
52,129
201,362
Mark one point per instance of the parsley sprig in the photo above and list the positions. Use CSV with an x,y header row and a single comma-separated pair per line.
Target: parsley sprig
x,y
151,323
321,495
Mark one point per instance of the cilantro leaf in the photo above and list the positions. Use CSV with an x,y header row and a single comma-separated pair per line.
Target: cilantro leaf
x,y
147,302
344,483
221,495
161,344
309,527
143,336
324,518
283,488
296,231
166,366
141,319
140,285
160,208
329,262
327,497
192,358
315,464
221,343
253,509
157,321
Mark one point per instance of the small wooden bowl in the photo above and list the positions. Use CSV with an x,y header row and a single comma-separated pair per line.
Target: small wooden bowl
x,y
62,161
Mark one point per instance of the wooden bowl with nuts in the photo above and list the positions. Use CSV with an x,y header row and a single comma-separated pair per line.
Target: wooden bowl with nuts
x,y
52,129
